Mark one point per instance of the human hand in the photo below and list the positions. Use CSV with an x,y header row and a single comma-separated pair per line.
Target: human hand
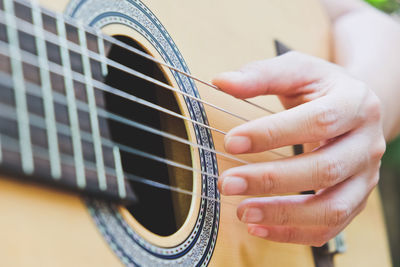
x,y
326,105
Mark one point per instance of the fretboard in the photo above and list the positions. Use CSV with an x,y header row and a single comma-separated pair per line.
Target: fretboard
x,y
52,124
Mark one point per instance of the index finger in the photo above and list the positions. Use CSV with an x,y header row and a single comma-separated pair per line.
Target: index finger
x,y
324,118
283,75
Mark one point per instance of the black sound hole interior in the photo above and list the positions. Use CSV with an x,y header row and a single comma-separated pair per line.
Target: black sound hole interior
x,y
161,211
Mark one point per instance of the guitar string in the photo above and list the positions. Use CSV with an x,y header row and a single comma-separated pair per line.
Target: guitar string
x,y
8,141
60,99
38,121
35,121
118,43
86,136
122,94
28,27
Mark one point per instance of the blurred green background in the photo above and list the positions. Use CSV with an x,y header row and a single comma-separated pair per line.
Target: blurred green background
x,y
389,187
389,184
388,6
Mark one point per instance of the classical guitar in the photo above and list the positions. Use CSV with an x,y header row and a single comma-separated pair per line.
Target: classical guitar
x,y
110,149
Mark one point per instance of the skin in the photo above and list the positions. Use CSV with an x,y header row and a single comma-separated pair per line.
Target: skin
x,y
349,110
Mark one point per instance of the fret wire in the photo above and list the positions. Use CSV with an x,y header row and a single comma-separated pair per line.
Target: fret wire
x,y
47,98
72,110
92,111
102,53
122,94
119,171
19,88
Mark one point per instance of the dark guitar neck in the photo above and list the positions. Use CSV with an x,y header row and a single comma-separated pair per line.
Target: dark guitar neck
x,y
51,130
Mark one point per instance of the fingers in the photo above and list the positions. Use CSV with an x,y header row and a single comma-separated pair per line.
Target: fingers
x,y
306,235
329,208
321,119
283,75
320,169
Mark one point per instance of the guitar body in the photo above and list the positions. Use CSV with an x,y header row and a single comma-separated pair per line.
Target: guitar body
x,y
40,226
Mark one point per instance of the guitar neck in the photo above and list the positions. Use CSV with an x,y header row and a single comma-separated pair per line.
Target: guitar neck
x,y
51,130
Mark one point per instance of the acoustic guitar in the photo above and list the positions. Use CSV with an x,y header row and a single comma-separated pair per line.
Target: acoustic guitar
x,y
110,149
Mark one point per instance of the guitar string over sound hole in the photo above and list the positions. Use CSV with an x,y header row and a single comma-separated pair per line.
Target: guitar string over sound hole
x,y
162,212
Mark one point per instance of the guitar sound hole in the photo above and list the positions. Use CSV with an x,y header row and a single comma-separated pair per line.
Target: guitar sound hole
x,y
160,211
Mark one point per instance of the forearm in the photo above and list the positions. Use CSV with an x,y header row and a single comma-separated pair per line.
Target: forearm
x,y
367,43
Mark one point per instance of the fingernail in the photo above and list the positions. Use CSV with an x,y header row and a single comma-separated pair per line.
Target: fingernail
x,y
252,215
237,144
233,185
259,231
